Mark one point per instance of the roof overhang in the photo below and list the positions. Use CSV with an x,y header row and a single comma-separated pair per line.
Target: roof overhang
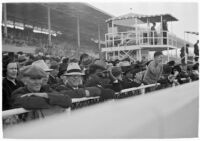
x,y
132,19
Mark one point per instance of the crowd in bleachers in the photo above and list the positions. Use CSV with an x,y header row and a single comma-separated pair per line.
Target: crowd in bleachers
x,y
42,82
26,38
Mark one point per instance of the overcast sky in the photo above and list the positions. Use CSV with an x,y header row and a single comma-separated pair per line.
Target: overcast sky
x,y
185,12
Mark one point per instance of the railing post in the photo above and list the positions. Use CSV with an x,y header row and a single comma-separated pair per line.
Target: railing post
x,y
143,89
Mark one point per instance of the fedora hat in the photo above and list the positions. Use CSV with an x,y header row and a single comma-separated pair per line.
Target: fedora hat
x,y
42,65
73,69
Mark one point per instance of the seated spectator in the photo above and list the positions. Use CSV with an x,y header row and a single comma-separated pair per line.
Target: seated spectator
x,y
10,83
53,78
98,75
195,72
116,79
73,86
34,96
41,64
128,79
63,66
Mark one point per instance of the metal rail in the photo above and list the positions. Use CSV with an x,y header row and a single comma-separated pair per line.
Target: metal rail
x,y
18,111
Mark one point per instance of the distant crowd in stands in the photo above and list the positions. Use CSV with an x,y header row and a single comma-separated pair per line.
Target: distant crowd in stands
x,y
48,84
26,37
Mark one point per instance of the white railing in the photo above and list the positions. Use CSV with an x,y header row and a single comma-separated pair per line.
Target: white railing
x,y
143,37
18,111
166,114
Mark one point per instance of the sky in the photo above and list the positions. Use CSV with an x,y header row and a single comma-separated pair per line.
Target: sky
x,y
186,12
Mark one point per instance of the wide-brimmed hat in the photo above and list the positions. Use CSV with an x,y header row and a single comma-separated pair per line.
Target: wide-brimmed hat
x,y
73,69
42,65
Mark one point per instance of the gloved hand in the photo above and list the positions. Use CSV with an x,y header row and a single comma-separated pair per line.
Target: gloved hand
x,y
93,91
107,93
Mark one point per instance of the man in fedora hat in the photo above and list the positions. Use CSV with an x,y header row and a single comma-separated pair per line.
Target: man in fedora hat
x,y
34,96
73,84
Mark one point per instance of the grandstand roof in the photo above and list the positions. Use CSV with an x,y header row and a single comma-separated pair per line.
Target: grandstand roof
x,y
63,15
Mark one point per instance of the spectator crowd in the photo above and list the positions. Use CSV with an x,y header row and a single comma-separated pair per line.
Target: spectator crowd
x,y
48,84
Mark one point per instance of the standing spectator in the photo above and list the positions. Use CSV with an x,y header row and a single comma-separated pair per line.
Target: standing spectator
x,y
153,34
182,54
196,50
10,83
154,69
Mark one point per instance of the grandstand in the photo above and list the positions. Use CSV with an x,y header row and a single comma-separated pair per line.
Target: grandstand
x,y
27,27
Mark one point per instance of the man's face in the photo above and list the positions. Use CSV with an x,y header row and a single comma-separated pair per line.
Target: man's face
x,y
48,62
54,72
12,70
158,59
129,75
45,79
74,80
33,84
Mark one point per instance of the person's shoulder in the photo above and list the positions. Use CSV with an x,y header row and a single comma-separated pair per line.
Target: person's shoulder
x,y
20,90
19,82
5,80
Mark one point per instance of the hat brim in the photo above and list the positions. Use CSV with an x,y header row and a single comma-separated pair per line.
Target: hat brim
x,y
47,70
74,73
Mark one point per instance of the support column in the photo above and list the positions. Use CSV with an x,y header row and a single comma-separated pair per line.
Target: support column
x,y
167,54
99,42
49,24
113,40
185,49
136,30
5,20
78,36
161,30
140,54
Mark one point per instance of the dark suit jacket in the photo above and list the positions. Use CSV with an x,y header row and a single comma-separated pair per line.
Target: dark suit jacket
x,y
8,88
36,102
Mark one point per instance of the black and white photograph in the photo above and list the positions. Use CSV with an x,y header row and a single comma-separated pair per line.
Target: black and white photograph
x,y
100,69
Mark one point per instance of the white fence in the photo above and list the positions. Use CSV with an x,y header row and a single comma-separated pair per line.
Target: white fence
x,y
18,111
168,113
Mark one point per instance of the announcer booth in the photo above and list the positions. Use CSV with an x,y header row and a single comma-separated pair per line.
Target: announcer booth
x,y
130,36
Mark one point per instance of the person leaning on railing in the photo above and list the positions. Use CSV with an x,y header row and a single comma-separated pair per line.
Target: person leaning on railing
x,y
34,96
154,70
73,85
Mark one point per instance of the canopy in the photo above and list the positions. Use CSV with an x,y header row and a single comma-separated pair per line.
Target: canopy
x,y
131,19
189,32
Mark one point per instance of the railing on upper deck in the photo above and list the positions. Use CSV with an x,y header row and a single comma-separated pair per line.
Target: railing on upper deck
x,y
143,37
